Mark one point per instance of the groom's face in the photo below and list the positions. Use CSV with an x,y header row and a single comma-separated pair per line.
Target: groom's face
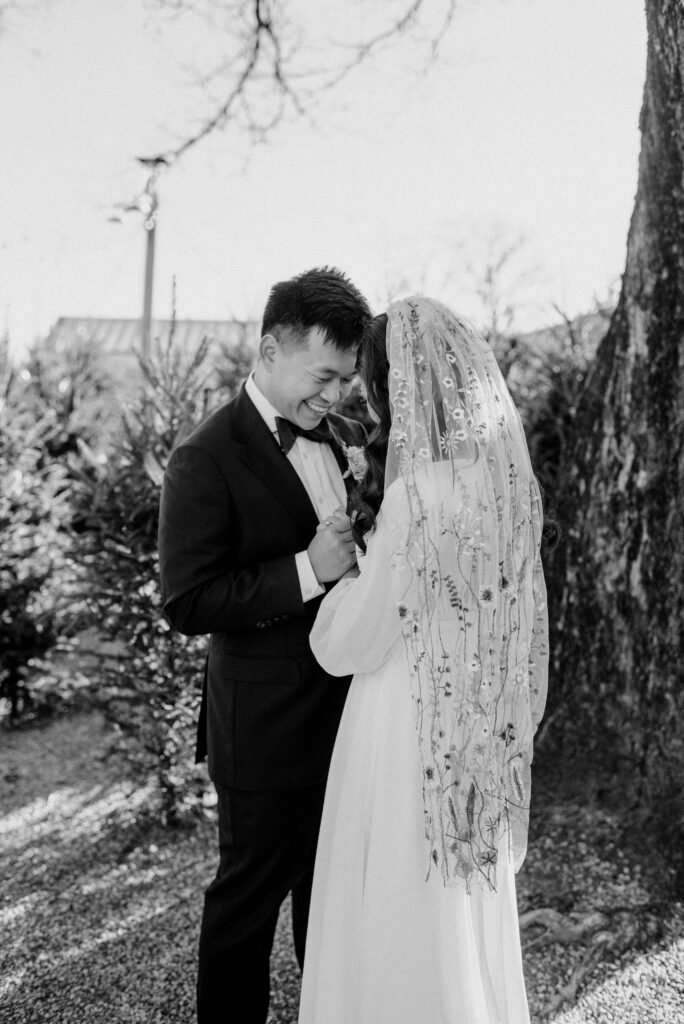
x,y
305,376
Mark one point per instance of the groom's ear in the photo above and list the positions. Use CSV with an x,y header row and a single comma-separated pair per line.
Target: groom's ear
x,y
268,349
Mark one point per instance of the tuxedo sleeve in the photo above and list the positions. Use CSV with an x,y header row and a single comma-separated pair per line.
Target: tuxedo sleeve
x,y
202,591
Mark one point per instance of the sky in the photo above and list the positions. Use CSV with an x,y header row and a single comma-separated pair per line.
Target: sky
x,y
525,127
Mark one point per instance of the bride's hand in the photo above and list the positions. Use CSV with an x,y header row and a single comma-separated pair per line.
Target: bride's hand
x,y
332,550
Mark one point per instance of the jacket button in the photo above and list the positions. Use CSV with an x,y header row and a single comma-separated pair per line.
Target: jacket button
x,y
260,625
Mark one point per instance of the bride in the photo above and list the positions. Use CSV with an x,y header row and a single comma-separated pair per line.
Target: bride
x,y
413,915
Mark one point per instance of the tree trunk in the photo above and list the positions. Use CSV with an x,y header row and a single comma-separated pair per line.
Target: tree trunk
x,y
618,578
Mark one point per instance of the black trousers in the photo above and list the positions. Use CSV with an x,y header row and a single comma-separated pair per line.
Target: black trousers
x,y
267,843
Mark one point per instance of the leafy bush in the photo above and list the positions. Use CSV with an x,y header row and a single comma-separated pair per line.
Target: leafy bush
x,y
151,686
36,574
70,383
545,372
79,493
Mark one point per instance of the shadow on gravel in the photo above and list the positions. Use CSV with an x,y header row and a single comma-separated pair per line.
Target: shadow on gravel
x,y
600,929
100,906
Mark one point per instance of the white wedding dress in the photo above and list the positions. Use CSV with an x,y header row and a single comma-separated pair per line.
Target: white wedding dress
x,y
384,945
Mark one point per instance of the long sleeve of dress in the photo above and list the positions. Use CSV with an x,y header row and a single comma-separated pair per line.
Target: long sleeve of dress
x,y
358,623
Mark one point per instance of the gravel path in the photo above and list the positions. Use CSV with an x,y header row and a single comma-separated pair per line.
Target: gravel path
x,y
99,909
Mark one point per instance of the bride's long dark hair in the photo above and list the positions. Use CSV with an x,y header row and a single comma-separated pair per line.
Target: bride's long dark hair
x,y
374,366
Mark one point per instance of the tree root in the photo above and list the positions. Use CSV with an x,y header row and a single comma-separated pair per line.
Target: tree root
x,y
605,930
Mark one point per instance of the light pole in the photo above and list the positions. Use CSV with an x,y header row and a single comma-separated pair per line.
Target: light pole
x,y
146,203
149,205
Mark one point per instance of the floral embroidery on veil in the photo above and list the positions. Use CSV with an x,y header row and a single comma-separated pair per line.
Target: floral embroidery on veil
x,y
464,513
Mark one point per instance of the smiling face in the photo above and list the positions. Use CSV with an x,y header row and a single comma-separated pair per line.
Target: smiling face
x,y
304,378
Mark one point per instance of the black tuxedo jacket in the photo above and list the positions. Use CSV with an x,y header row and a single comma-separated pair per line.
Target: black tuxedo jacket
x,y
233,515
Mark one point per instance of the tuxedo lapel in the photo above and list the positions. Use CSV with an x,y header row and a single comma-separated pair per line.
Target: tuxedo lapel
x,y
258,450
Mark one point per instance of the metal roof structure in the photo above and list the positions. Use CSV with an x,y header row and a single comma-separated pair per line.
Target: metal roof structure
x,y
123,336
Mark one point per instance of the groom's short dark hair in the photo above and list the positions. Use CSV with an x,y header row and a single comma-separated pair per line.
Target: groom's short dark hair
x,y
322,297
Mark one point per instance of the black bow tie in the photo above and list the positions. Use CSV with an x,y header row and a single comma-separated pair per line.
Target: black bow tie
x,y
289,432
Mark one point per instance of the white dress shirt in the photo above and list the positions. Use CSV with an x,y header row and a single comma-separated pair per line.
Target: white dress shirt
x,y
317,468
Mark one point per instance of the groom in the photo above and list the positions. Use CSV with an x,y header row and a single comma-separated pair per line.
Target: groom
x,y
252,532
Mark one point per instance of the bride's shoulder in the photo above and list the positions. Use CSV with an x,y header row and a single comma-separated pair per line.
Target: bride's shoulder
x,y
427,481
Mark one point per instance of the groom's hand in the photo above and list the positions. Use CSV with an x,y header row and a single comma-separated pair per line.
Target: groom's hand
x,y
332,551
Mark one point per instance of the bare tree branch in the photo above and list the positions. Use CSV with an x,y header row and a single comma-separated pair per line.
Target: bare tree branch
x,y
397,29
270,69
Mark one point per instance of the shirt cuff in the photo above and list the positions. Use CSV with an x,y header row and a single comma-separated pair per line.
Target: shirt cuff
x,y
307,577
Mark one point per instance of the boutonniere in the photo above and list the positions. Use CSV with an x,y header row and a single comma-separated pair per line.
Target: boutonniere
x,y
356,460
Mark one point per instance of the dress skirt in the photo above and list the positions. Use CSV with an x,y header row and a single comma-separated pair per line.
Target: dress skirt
x,y
385,945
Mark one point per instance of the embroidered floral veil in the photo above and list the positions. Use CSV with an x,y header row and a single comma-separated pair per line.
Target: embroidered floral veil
x,y
464,512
